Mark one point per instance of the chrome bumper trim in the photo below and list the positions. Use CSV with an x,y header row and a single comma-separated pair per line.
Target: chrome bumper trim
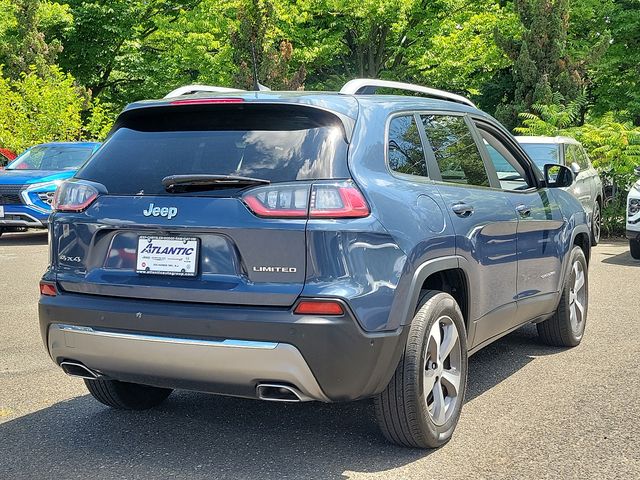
x,y
203,362
173,340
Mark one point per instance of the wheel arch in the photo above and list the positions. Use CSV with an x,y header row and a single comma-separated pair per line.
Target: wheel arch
x,y
448,274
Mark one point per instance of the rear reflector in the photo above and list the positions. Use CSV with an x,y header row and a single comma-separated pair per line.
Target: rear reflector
x,y
319,307
48,289
203,101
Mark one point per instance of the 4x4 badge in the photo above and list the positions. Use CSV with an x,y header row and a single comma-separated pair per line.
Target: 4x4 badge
x,y
154,211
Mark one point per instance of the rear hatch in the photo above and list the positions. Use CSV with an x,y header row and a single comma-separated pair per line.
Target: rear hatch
x,y
204,202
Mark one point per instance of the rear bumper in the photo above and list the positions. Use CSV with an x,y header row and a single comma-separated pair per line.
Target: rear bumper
x,y
219,349
218,364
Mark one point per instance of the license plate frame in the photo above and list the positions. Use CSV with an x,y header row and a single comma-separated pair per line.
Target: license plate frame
x,y
161,260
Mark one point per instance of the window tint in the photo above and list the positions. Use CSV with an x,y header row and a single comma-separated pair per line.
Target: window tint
x,y
266,143
405,148
510,173
455,150
542,153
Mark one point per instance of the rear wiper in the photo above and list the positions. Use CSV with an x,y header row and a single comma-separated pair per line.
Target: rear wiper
x,y
196,183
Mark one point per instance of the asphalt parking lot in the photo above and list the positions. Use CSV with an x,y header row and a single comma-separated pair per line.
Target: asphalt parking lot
x,y
531,411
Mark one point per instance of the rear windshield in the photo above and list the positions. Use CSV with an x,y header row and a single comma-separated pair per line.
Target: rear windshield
x,y
542,153
275,144
51,157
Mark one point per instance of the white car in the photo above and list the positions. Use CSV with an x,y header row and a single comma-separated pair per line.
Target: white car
x,y
587,186
633,218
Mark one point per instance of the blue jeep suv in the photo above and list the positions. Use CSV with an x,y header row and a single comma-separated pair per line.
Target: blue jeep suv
x,y
27,184
295,246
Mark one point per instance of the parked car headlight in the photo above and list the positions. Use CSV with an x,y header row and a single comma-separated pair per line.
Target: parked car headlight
x,y
634,206
43,192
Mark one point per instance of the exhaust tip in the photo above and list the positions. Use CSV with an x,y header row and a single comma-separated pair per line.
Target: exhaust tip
x,y
277,392
77,369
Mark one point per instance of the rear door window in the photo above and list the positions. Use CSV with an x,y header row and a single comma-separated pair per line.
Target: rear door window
x,y
265,142
405,151
455,150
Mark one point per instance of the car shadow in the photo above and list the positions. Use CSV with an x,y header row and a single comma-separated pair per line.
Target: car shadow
x,y
624,259
204,436
30,237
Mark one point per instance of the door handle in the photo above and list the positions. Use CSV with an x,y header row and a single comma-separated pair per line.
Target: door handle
x,y
462,209
523,210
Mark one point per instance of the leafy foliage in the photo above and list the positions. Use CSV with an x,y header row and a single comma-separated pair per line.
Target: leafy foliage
x,y
550,119
558,67
39,108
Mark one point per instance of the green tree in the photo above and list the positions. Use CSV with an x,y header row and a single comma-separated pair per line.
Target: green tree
x,y
39,107
23,41
617,75
542,61
550,119
107,46
258,53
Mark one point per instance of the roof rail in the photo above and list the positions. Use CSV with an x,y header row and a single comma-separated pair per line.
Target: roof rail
x,y
368,86
188,89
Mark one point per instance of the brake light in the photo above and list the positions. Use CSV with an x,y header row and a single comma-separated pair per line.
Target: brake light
x,y
73,197
319,307
204,101
320,200
48,289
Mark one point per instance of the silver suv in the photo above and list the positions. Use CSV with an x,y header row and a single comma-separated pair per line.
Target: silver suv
x,y
587,186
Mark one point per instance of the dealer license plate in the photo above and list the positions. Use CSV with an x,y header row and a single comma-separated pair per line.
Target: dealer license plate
x,y
167,256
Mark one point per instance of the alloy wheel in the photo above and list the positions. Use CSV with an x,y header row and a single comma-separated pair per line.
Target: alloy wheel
x,y
442,370
577,297
596,223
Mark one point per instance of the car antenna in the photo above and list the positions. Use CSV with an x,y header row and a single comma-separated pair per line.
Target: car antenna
x,y
257,86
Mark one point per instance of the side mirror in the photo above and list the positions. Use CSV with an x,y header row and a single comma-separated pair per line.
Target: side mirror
x,y
636,171
557,176
575,168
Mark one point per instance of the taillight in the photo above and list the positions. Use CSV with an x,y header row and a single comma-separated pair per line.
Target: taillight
x,y
279,201
73,197
320,200
337,201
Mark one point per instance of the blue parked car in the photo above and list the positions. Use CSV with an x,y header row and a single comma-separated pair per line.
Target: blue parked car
x,y
27,184
297,246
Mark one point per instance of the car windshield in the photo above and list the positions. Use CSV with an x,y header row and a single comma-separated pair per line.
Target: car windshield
x,y
542,153
52,157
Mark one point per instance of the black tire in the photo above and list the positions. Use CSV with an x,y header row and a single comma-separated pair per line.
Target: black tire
x,y
126,396
634,248
596,224
402,409
560,330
